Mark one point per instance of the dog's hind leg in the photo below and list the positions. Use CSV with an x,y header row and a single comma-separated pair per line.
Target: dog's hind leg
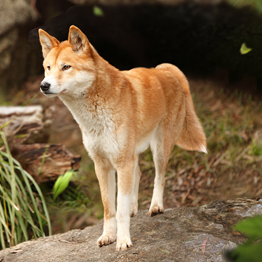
x,y
134,198
160,156
161,144
166,134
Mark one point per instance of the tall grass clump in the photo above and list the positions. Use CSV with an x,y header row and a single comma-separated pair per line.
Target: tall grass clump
x,y
23,212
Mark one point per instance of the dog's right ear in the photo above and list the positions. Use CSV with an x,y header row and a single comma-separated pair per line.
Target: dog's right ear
x,y
47,42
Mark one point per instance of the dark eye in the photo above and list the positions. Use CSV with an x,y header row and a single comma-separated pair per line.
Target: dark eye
x,y
66,67
48,67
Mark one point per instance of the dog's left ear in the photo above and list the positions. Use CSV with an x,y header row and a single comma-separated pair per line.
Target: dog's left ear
x,y
77,39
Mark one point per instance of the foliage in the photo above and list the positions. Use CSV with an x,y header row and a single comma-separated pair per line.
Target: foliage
x,y
251,250
98,11
256,4
62,183
23,212
244,49
73,208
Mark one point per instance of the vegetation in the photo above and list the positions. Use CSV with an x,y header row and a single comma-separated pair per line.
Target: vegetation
x,y
256,4
62,183
23,212
251,250
72,208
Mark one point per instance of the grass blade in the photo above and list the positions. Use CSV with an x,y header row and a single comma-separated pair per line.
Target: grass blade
x,y
19,210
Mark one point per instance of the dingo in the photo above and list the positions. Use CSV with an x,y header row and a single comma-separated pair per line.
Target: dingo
x,y
120,114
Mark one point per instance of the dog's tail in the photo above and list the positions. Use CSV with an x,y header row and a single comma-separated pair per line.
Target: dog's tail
x,y
192,136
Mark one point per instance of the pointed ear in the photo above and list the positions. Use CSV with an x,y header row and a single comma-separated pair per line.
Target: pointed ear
x,y
77,39
47,42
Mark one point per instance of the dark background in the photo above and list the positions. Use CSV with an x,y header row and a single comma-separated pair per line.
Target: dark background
x,y
202,40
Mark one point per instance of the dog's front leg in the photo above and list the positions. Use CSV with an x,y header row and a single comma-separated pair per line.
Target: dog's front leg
x,y
125,175
106,177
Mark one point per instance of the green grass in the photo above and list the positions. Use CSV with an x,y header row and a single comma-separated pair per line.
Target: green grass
x,y
23,212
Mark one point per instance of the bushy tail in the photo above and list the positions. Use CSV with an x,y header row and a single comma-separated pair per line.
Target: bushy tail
x,y
192,136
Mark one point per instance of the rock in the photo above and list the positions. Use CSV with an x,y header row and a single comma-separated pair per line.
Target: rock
x,y
6,44
176,235
14,15
14,12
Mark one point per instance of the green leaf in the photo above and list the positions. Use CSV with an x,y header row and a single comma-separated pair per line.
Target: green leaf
x,y
5,124
251,250
57,183
244,49
252,227
98,11
30,100
20,136
244,253
62,183
165,251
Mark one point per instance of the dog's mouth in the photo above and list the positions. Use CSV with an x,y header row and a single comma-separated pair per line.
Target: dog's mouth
x,y
48,93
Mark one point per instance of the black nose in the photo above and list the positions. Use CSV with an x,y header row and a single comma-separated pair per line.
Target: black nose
x,y
44,86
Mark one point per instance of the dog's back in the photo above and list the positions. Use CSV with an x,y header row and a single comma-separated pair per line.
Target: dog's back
x,y
154,90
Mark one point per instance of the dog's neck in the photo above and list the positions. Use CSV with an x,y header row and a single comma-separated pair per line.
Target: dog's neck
x,y
92,105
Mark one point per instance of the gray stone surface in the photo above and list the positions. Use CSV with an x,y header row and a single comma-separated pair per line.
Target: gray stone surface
x,y
6,47
14,12
177,235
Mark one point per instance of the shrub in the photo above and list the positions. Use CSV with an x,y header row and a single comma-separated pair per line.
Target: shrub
x,y
251,250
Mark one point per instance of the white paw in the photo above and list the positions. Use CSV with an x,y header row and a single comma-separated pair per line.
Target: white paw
x,y
123,244
106,240
133,210
156,209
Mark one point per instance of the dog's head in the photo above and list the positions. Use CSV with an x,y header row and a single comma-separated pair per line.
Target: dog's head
x,y
69,65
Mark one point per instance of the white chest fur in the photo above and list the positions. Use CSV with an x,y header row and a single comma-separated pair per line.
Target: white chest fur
x,y
97,127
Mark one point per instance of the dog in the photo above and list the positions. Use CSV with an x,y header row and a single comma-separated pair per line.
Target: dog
x,y
121,114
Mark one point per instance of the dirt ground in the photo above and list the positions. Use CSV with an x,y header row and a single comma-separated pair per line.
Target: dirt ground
x,y
232,121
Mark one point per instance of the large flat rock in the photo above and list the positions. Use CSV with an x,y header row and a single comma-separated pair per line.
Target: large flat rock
x,y
176,235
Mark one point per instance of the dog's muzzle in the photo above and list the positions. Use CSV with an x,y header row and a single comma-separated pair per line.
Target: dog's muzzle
x,y
45,86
